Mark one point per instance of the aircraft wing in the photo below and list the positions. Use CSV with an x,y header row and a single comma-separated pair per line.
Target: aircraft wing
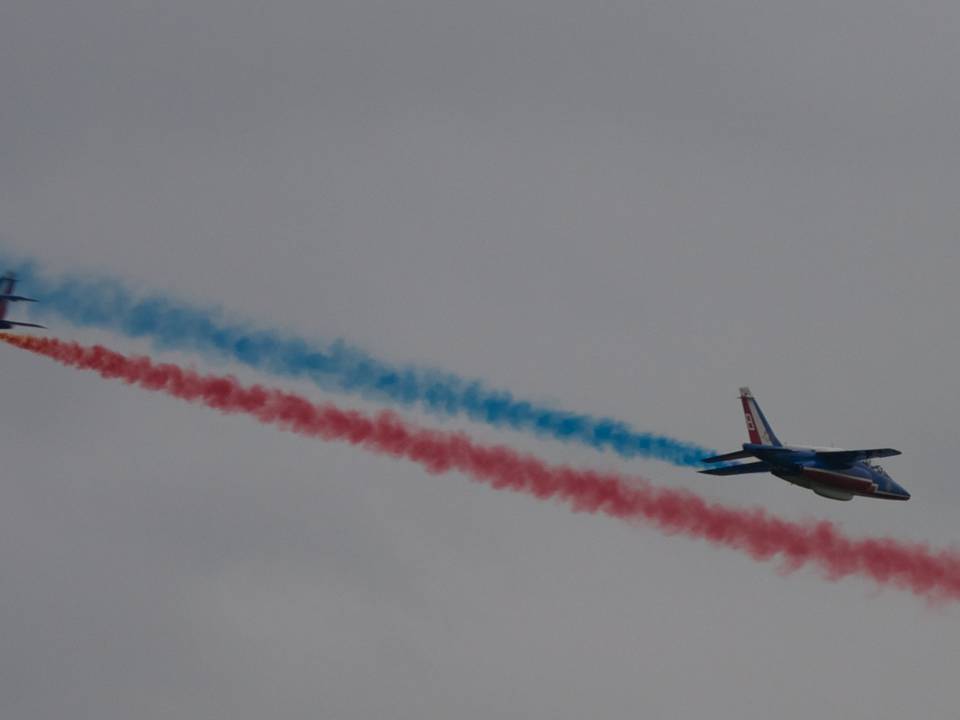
x,y
11,322
736,455
16,298
849,457
753,467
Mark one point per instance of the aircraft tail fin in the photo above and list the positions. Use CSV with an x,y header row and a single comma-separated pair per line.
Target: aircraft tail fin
x,y
736,455
757,426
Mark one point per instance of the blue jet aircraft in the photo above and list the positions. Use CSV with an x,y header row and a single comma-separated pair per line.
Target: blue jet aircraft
x,y
832,473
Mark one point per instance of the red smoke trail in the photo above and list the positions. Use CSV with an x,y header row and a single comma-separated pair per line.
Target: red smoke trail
x,y
934,575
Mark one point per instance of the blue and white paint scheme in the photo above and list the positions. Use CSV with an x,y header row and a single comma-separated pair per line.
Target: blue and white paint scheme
x,y
829,472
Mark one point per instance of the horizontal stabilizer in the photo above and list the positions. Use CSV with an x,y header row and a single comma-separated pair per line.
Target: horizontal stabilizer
x,y
753,467
849,457
16,298
736,455
20,324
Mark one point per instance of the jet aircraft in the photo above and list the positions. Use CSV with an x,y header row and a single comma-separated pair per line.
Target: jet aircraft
x,y
829,472
7,285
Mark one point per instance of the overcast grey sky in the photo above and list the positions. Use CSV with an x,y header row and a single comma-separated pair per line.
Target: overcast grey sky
x,y
626,208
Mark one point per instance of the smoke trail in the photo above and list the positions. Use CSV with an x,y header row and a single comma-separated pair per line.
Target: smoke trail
x,y
934,575
106,303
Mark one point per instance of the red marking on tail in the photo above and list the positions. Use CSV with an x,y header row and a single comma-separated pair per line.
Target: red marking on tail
x,y
752,430
934,575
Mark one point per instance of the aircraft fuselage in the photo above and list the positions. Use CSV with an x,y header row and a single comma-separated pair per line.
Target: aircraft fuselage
x,y
800,466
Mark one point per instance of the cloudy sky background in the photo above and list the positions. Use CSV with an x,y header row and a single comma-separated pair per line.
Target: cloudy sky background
x,y
624,208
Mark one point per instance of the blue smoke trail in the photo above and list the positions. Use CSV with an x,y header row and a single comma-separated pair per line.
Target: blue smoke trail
x,y
108,304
